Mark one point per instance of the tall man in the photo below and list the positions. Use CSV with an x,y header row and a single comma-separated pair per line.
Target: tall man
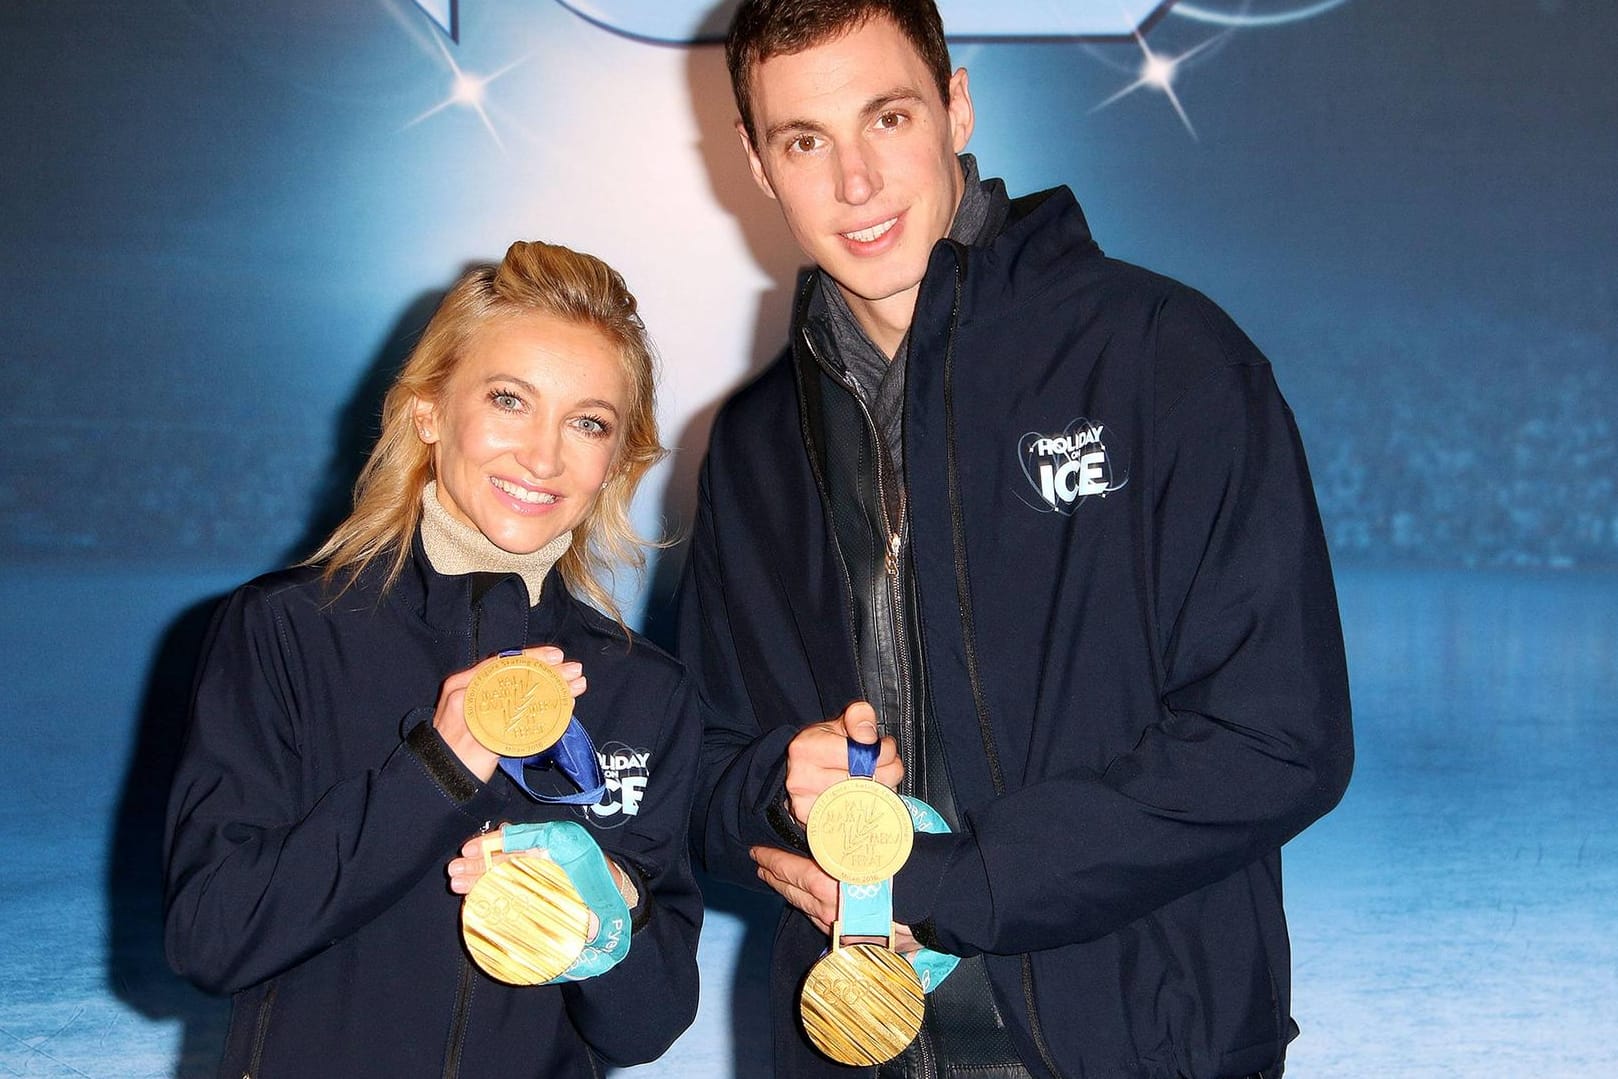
x,y
1043,520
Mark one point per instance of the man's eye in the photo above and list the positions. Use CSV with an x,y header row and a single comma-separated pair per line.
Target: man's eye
x,y
805,144
890,119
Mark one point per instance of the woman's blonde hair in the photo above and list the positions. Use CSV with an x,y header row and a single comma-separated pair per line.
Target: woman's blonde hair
x,y
533,278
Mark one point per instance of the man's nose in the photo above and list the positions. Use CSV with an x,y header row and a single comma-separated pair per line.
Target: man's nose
x,y
858,179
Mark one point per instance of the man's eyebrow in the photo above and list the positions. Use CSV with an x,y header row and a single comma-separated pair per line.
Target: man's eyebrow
x,y
792,127
877,103
895,96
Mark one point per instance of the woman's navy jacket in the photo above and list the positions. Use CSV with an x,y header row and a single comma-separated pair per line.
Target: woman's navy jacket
x,y
315,809
1130,636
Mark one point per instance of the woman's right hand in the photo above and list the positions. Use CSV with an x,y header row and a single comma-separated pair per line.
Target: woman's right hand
x,y
449,718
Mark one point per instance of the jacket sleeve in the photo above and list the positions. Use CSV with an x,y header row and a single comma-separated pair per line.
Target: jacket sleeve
x,y
1251,738
634,1011
261,872
743,768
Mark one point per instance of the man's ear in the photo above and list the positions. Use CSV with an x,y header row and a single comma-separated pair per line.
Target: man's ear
x,y
960,110
753,162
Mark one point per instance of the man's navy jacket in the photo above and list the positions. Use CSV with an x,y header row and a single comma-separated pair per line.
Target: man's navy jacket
x,y
1131,643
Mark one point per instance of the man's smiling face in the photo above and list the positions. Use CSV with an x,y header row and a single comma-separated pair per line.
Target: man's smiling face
x,y
859,150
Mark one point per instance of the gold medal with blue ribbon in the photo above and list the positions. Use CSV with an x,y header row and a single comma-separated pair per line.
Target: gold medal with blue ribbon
x,y
862,1002
527,920
517,706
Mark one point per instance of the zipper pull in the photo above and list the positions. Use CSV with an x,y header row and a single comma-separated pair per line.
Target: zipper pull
x,y
892,557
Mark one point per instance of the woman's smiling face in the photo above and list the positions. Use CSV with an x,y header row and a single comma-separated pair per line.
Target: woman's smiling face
x,y
527,429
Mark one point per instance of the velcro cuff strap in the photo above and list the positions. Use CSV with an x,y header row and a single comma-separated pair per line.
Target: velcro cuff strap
x,y
442,765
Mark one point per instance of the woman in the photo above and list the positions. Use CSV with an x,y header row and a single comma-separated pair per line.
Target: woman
x,y
329,779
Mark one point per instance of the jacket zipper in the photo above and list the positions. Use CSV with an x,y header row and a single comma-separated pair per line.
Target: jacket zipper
x,y
261,1031
893,525
463,992
457,1027
969,633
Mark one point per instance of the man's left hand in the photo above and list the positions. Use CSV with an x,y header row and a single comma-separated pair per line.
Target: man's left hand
x,y
812,890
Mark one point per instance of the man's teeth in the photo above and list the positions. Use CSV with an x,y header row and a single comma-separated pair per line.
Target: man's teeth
x,y
540,498
865,236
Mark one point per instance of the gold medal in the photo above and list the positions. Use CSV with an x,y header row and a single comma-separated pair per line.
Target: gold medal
x,y
859,831
517,706
861,1004
523,921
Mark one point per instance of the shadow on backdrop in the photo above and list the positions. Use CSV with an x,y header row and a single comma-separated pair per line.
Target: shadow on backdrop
x,y
777,257
775,254
360,422
137,969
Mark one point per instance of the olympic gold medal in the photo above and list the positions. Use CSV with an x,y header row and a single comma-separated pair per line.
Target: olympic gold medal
x,y
859,831
862,1004
517,706
524,922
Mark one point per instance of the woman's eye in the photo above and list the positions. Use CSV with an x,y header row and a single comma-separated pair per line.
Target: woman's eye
x,y
504,399
592,425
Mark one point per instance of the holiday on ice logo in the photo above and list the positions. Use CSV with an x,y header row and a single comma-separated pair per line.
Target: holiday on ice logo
x,y
625,770
1069,466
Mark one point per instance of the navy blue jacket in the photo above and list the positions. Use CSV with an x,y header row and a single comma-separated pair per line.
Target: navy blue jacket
x,y
315,809
1130,637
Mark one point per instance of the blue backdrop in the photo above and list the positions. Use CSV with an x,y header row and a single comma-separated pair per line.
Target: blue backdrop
x,y
222,223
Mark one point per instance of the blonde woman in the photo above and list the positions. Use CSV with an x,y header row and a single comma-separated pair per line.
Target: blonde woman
x,y
330,794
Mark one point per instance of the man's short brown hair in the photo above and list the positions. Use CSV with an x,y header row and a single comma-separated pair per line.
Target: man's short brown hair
x,y
761,29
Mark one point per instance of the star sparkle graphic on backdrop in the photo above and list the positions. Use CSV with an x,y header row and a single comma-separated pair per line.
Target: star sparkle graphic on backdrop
x,y
1158,72
467,91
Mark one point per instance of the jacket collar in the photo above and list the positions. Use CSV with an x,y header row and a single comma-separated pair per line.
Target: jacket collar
x,y
1039,230
475,615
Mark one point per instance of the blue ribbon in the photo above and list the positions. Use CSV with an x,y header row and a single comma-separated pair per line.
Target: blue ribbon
x,y
862,759
574,755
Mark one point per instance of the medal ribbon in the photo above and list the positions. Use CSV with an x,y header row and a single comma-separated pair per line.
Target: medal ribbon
x,y
865,910
574,755
862,759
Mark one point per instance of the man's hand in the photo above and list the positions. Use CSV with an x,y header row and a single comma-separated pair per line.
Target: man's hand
x,y
818,757
806,886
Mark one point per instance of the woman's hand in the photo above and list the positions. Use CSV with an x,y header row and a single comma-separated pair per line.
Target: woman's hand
x,y
468,869
449,718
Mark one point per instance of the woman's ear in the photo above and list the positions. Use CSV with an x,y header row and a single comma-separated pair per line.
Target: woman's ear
x,y
426,417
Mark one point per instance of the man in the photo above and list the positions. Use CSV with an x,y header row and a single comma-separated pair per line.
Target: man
x,y
1041,519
